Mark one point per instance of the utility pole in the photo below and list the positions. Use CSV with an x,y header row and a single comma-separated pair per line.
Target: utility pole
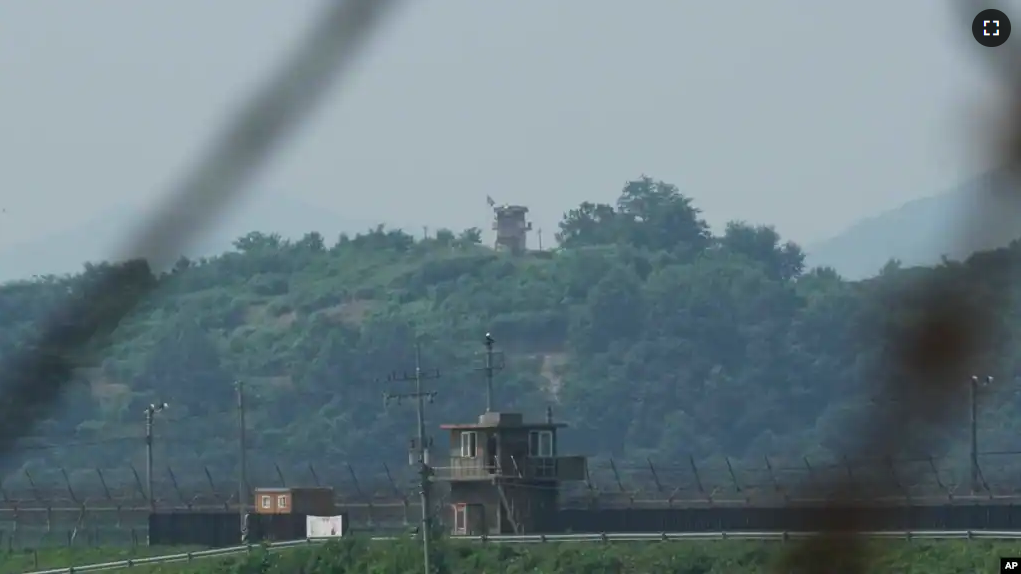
x,y
424,470
490,367
149,412
243,472
973,423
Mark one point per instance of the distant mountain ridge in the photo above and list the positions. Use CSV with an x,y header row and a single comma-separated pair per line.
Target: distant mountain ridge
x,y
922,231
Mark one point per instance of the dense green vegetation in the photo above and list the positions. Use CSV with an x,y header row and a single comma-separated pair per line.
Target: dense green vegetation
x,y
721,557
649,334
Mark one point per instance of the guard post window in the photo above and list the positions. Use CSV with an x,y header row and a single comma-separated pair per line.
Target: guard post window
x,y
460,518
540,443
469,444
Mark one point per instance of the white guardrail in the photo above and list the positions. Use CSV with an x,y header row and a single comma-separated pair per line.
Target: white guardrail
x,y
539,538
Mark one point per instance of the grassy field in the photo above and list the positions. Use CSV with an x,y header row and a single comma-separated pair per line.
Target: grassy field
x,y
400,557
25,560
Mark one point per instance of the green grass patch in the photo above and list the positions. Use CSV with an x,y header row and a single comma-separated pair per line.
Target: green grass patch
x,y
361,556
27,560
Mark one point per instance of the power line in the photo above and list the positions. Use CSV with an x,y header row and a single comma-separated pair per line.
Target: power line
x,y
423,444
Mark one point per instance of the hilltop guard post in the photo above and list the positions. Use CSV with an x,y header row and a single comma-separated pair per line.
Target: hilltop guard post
x,y
511,228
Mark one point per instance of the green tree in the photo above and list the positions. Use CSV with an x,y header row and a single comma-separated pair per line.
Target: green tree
x,y
658,217
184,367
762,244
589,224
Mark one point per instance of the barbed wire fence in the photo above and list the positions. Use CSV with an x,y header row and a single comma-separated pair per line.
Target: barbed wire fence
x,y
104,507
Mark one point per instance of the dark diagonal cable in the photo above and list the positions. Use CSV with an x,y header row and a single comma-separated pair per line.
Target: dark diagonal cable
x,y
32,381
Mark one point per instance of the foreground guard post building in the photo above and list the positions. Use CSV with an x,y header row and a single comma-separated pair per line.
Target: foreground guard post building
x,y
505,475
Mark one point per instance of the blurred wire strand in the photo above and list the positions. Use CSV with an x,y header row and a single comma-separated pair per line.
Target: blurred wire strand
x,y
32,382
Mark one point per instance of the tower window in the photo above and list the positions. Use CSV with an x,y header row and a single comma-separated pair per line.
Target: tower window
x,y
540,443
469,444
460,518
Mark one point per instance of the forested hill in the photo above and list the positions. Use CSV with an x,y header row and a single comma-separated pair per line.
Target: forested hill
x,y
649,335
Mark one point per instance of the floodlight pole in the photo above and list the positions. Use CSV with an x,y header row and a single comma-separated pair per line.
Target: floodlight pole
x,y
490,366
489,373
243,471
973,424
149,412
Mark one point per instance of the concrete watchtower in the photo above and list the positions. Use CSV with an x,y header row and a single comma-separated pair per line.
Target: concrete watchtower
x,y
511,227
505,474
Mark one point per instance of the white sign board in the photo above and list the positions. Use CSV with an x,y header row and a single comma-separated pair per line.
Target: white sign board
x,y
324,526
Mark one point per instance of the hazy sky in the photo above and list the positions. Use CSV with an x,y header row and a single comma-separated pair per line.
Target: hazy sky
x,y
805,114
